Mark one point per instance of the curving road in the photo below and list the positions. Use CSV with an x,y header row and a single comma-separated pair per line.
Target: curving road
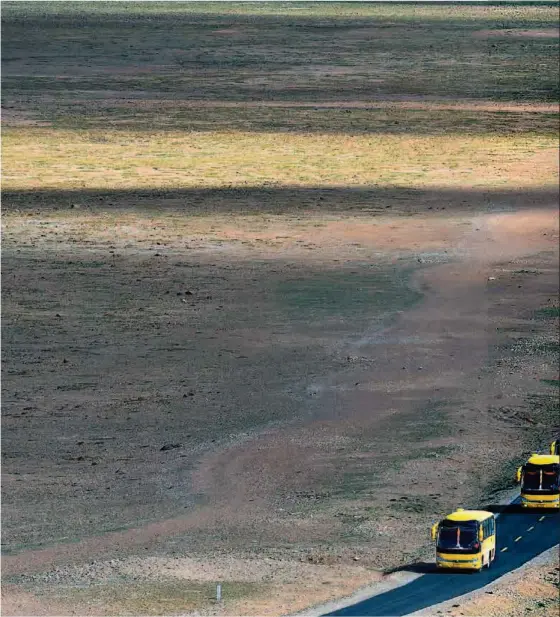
x,y
521,536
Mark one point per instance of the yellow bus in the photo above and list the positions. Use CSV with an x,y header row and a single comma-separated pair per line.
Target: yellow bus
x,y
466,540
540,481
555,447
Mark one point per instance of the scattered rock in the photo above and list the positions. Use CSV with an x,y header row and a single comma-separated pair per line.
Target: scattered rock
x,y
170,446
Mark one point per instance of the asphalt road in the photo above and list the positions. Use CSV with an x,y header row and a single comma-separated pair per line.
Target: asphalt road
x,y
521,536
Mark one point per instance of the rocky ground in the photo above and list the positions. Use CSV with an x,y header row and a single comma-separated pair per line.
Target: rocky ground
x,y
264,510
270,307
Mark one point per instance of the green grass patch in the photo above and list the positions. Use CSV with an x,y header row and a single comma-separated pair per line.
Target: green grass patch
x,y
532,345
549,312
360,478
429,422
548,347
338,296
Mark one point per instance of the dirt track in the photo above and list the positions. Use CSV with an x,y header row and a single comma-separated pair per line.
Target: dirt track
x,y
387,387
279,288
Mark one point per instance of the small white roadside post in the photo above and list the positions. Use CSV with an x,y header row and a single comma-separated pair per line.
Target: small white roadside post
x,y
218,593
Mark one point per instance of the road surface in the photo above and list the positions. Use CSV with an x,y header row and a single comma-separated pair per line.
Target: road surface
x,y
521,536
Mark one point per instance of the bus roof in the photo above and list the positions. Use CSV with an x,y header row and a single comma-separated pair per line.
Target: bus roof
x,y
544,459
461,515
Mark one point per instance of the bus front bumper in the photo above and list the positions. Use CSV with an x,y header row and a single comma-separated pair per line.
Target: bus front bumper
x,y
456,562
540,501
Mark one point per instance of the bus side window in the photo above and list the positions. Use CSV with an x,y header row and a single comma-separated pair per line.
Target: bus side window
x,y
488,527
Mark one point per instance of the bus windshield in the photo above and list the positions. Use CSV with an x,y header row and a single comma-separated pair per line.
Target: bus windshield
x,y
457,537
540,479
532,479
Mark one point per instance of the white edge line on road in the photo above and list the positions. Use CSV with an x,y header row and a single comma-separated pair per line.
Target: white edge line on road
x,y
551,553
365,593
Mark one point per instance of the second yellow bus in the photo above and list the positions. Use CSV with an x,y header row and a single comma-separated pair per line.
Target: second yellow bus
x,y
465,539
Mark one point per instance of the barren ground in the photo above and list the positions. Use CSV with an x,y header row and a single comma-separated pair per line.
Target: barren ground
x,y
238,351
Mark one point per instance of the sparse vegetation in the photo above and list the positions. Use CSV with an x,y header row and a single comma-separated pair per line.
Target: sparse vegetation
x,y
245,229
548,312
163,597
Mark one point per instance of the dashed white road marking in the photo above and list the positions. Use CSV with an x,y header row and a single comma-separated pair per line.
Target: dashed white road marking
x,y
531,528
518,538
542,518
504,549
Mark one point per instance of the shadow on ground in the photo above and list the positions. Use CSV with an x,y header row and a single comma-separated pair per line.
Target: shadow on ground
x,y
420,567
88,66
284,200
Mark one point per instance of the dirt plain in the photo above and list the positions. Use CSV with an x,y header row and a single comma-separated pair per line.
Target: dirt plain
x,y
217,370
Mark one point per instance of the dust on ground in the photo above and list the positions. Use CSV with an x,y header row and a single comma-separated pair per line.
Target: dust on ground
x,y
261,370
270,494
